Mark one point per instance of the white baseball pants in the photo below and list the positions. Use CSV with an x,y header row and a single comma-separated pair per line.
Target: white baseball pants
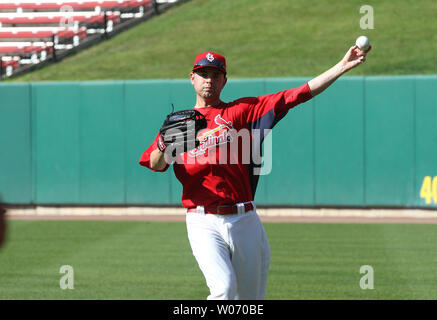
x,y
232,252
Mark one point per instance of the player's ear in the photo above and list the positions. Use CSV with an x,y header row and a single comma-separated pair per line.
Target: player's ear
x,y
192,77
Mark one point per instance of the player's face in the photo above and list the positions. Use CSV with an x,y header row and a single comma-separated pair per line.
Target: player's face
x,y
208,82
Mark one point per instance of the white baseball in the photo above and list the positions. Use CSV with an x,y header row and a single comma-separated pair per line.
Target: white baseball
x,y
363,43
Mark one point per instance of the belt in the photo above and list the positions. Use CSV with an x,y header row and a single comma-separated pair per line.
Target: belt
x,y
227,209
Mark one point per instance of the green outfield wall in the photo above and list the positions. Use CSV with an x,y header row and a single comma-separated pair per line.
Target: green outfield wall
x,y
366,141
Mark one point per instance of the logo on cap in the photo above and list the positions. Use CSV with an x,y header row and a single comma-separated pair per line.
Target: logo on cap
x,y
210,57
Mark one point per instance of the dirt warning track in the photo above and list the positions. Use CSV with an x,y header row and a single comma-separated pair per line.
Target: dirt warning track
x,y
304,215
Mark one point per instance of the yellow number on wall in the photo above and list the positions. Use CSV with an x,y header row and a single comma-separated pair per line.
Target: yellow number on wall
x,y
426,190
434,189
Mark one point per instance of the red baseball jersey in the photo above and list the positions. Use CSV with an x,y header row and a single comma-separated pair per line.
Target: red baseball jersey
x,y
220,171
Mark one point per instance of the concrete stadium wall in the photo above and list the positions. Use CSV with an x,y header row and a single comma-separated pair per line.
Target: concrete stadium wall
x,y
365,142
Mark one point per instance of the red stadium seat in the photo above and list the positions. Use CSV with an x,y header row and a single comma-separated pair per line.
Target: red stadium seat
x,y
9,64
41,32
79,4
25,47
57,17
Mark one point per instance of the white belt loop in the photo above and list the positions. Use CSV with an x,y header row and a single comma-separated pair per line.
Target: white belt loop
x,y
254,205
200,209
240,208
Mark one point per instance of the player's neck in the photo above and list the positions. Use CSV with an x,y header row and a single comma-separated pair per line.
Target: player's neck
x,y
202,103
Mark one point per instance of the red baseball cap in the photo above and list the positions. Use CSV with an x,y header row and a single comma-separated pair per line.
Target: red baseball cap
x,y
210,59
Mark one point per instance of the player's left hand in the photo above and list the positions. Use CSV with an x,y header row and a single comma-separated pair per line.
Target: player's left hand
x,y
354,56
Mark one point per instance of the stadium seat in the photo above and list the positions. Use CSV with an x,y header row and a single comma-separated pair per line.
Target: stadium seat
x,y
43,32
75,5
9,64
57,17
24,48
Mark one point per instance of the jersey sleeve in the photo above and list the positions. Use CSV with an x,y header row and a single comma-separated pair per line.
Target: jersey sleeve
x,y
265,111
145,157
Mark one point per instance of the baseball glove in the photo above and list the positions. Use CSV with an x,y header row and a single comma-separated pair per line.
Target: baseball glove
x,y
179,131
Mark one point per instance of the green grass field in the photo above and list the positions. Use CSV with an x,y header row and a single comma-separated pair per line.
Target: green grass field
x,y
273,38
145,260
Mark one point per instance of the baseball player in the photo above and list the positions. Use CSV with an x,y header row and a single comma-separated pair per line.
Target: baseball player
x,y
225,233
